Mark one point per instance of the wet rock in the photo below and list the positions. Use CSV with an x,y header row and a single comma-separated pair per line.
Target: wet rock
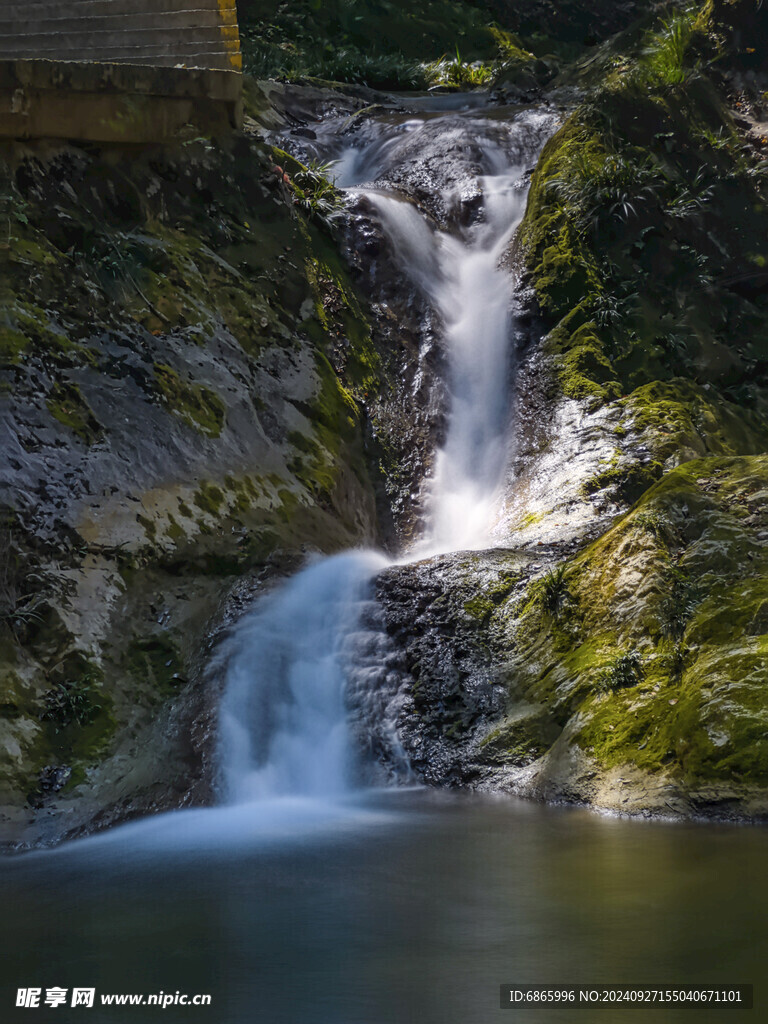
x,y
516,670
54,777
175,411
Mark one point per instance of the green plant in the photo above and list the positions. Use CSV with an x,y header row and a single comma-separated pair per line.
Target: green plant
x,y
664,59
73,701
14,208
612,310
22,589
454,72
624,671
315,193
680,596
597,187
377,71
678,657
551,591
691,198
654,522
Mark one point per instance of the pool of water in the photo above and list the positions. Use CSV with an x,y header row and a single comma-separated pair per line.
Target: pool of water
x,y
390,909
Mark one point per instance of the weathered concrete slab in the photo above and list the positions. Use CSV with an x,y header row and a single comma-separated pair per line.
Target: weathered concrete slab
x,y
114,102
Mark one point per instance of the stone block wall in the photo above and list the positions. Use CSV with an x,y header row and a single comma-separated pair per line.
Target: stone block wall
x,y
161,33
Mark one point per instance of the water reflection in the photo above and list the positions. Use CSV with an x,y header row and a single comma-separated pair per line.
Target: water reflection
x,y
419,918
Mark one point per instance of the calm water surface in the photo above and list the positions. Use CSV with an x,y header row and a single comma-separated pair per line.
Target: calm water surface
x,y
409,907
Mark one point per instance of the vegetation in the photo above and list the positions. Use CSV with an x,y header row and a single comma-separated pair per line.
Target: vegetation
x,y
624,671
197,405
73,702
67,405
315,192
551,591
383,45
453,72
448,43
660,666
645,216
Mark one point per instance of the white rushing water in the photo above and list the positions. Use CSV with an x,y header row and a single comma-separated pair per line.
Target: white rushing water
x,y
461,276
284,730
283,721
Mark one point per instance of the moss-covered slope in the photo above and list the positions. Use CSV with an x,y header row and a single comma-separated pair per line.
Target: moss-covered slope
x,y
650,649
185,369
646,245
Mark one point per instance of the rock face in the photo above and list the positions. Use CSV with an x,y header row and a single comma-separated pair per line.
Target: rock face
x,y
186,366
630,677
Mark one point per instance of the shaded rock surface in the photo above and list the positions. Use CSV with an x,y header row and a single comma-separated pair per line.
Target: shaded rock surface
x,y
186,364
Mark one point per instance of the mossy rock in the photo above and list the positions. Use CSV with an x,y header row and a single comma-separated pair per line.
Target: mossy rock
x,y
67,405
197,405
680,585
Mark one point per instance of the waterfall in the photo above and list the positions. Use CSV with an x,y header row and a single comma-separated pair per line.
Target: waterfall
x,y
461,277
459,273
284,722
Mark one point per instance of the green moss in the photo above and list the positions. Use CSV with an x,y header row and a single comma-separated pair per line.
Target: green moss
x,y
198,406
156,660
68,407
531,519
564,274
12,345
628,480
77,712
174,531
661,660
480,607
46,341
334,417
210,499
679,414
149,525
623,671
709,728
641,208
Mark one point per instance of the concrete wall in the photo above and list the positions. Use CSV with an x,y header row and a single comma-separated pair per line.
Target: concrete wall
x,y
162,33
114,102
